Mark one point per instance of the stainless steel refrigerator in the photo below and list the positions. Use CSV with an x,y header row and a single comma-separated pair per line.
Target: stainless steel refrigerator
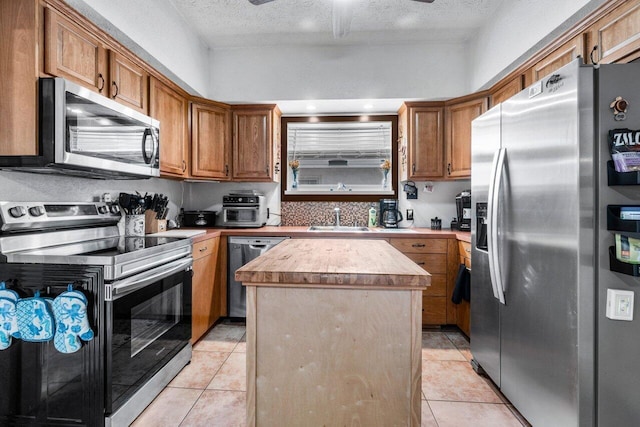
x,y
540,250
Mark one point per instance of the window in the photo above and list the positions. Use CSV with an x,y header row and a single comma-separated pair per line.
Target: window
x,y
339,158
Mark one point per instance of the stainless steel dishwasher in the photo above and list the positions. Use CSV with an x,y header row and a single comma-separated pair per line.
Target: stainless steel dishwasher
x,y
241,250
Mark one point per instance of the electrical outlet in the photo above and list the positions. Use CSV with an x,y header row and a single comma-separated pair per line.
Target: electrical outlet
x,y
409,214
619,304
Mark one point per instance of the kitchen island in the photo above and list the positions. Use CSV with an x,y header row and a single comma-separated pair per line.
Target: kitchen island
x,y
333,334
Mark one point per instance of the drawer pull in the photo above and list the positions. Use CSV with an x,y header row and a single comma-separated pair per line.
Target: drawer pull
x,y
418,245
203,249
420,263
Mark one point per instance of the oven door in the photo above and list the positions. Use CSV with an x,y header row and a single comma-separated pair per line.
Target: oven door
x,y
148,324
241,216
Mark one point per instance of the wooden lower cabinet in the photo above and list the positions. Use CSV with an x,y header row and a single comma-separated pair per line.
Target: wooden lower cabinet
x,y
439,258
464,308
205,293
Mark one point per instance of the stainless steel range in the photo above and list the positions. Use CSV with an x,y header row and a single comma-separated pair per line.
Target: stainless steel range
x,y
139,306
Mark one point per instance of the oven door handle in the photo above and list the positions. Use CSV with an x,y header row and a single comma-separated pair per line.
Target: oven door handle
x,y
123,287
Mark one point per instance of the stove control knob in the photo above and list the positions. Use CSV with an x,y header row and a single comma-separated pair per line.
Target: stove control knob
x,y
17,211
103,209
36,211
239,199
114,209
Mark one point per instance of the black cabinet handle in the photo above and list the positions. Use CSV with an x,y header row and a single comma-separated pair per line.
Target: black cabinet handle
x,y
100,82
449,168
413,168
226,170
184,165
418,245
115,86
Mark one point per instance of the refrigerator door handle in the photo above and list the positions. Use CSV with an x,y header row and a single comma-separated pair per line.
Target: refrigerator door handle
x,y
492,214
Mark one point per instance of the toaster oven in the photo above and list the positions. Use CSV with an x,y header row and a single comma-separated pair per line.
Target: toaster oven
x,y
243,210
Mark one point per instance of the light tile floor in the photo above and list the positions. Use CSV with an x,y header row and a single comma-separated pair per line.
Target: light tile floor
x,y
211,391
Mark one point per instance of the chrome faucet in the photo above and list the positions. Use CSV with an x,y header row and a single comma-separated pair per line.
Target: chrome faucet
x,y
337,211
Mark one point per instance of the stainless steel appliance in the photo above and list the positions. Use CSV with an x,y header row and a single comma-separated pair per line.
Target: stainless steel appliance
x,y
540,251
86,134
463,211
139,289
390,216
241,250
243,210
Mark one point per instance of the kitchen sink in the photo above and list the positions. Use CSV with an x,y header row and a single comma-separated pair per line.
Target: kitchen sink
x,y
344,229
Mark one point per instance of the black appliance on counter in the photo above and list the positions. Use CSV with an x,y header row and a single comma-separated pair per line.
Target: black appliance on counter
x,y
138,292
198,219
462,221
390,216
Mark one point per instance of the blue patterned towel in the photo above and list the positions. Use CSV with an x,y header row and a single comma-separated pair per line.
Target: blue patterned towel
x,y
35,319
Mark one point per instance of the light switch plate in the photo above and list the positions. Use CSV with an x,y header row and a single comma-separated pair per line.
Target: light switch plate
x,y
619,304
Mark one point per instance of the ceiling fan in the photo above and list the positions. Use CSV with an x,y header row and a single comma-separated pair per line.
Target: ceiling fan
x,y
342,15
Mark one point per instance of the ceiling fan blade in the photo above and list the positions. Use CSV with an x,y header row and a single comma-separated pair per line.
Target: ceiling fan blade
x,y
259,2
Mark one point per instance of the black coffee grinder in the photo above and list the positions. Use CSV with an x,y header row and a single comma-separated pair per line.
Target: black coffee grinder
x,y
463,210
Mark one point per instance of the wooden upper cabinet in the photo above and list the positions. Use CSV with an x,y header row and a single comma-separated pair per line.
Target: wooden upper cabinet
x,y
558,58
19,82
210,141
74,53
253,145
506,91
171,109
617,35
78,55
458,118
129,82
425,141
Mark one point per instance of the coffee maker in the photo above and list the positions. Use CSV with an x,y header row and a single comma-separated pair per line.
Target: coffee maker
x,y
463,211
390,216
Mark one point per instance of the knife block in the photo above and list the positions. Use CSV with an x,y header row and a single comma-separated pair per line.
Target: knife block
x,y
152,224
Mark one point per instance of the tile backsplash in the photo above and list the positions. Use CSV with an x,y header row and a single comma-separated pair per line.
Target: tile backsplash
x,y
322,213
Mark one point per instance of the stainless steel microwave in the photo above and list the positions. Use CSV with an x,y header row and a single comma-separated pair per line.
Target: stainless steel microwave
x,y
86,134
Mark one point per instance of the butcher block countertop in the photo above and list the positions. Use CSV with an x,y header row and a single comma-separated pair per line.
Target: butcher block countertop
x,y
345,263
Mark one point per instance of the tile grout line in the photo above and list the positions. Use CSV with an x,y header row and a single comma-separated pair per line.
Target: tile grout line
x,y
191,408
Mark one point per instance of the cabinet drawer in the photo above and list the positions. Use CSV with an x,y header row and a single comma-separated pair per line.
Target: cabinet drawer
x,y
433,263
424,246
434,310
438,286
203,248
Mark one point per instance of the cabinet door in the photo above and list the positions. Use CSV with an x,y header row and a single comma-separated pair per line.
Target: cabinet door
x,y
617,35
73,53
19,103
252,145
458,138
129,82
558,58
426,143
512,87
203,299
170,108
210,142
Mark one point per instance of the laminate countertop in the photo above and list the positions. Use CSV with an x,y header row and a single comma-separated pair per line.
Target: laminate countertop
x,y
343,263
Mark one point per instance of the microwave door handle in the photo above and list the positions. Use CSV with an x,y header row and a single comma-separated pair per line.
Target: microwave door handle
x,y
149,133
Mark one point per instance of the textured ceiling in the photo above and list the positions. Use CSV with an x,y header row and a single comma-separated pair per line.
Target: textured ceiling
x,y
236,23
